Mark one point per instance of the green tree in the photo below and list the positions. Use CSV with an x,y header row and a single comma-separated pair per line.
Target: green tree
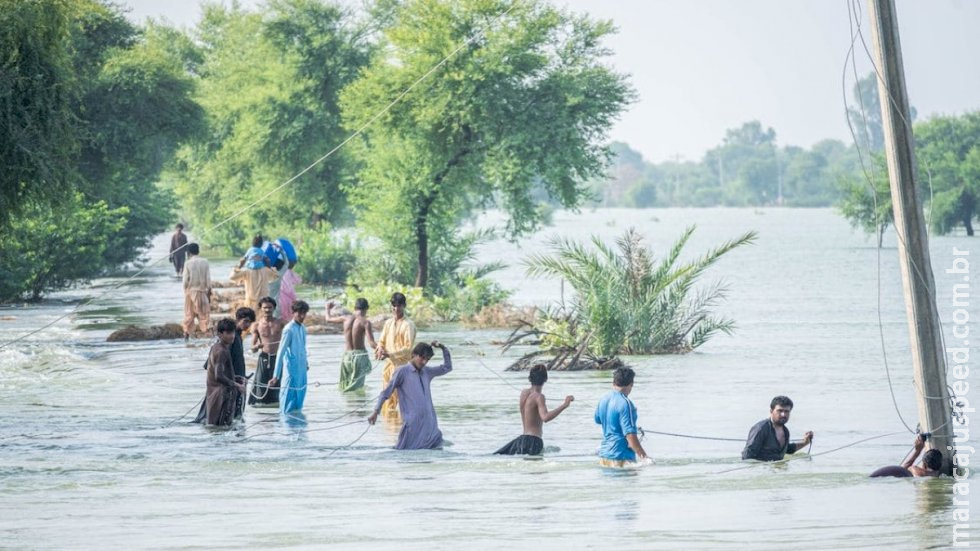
x,y
137,108
269,84
54,246
525,103
948,154
38,140
866,200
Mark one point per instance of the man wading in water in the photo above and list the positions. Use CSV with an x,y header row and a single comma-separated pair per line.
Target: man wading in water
x,y
355,364
534,414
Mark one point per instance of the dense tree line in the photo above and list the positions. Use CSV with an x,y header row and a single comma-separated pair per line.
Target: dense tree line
x,y
92,108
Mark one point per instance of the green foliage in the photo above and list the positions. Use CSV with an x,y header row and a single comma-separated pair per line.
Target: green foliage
x,y
522,106
93,109
37,124
52,246
269,82
866,201
948,152
419,307
326,258
137,109
627,303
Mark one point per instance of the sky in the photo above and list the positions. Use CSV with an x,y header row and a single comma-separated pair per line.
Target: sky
x,y
700,67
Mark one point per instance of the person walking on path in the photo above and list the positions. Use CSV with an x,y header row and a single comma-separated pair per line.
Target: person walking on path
x,y
178,249
197,291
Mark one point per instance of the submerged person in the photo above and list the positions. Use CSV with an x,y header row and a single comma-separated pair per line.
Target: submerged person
x,y
197,291
291,361
223,388
178,249
768,439
932,462
266,334
395,347
355,364
617,415
420,428
534,414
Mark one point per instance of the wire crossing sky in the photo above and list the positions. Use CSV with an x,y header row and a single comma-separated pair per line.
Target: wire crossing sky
x,y
703,66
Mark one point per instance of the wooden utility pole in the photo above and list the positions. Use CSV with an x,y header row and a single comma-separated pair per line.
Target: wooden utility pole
x,y
928,356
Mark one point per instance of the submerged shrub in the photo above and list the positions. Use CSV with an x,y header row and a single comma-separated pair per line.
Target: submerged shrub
x,y
625,302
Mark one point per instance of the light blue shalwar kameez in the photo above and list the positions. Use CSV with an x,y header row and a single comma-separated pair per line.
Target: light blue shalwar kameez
x,y
291,367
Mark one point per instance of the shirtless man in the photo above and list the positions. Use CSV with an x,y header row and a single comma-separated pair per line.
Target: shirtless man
x,y
356,363
534,414
266,334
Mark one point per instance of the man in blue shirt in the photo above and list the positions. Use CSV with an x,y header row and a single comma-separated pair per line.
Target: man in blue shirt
x,y
617,415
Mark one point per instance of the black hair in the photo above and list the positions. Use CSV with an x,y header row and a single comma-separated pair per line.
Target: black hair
x,y
538,374
301,306
179,226
423,349
194,248
225,326
267,300
361,304
933,460
623,377
244,312
257,240
780,401
398,299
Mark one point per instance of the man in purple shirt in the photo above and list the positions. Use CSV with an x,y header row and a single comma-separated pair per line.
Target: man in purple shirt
x,y
420,428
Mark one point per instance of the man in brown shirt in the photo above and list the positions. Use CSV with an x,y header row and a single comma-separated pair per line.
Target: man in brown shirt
x,y
223,387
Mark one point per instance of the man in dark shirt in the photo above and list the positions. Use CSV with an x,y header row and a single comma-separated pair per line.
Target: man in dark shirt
x,y
769,439
244,318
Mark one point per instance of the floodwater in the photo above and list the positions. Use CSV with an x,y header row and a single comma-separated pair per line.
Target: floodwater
x,y
94,453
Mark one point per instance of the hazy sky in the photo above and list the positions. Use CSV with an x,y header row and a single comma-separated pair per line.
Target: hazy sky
x,y
703,66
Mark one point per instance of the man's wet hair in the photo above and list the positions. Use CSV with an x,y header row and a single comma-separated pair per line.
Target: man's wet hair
x,y
361,304
538,374
933,460
179,226
225,325
267,300
301,306
623,377
780,401
423,349
257,240
398,299
194,248
243,313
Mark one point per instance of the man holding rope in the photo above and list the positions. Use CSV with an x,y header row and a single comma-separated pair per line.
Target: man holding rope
x,y
769,439
356,363
266,334
420,428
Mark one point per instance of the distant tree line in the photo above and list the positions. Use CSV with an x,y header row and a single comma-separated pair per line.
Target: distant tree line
x,y
749,169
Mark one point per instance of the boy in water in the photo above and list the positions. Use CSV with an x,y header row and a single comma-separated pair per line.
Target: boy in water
x,y
355,364
534,414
